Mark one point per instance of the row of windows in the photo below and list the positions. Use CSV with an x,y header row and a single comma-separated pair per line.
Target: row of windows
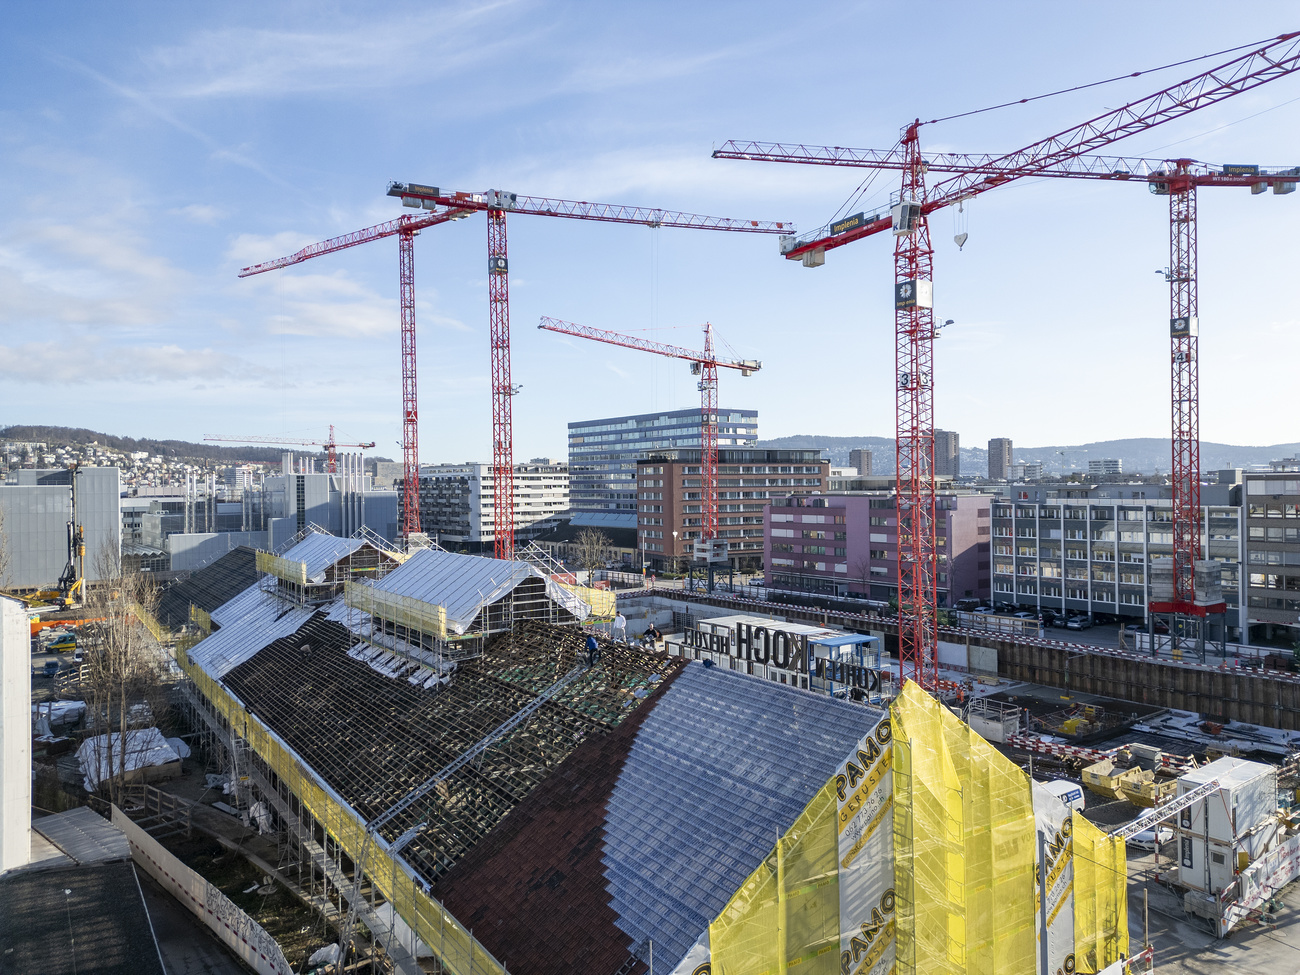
x,y
1270,580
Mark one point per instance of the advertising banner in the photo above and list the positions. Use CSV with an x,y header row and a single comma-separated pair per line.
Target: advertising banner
x,y
864,789
1055,884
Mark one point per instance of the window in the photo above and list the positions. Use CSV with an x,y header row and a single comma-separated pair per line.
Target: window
x,y
879,553
880,522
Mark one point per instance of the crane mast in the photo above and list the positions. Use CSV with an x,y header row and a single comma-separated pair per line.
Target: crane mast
x,y
503,467
1063,154
914,423
705,364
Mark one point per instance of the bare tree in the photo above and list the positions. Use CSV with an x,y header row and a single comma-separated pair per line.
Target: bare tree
x,y
593,548
862,571
124,669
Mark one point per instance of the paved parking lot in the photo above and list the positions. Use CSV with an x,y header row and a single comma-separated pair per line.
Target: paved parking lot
x,y
1184,944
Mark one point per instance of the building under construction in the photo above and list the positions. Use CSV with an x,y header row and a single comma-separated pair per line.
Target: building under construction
x,y
447,763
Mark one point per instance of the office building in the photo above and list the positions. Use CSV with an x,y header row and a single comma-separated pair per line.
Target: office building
x,y
1087,549
860,460
458,508
947,453
1272,516
847,544
1105,465
670,505
999,458
603,454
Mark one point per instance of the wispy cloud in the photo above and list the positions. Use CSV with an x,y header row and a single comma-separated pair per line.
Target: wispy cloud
x,y
201,213
258,248
368,53
47,364
151,106
443,321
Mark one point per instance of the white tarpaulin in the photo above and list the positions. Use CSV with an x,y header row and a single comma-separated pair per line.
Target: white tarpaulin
x,y
105,756
1056,856
864,789
1261,881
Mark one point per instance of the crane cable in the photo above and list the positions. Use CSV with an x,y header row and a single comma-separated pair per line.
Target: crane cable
x,y
1094,84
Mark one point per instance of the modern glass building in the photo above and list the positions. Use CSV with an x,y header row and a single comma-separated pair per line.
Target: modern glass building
x,y
603,454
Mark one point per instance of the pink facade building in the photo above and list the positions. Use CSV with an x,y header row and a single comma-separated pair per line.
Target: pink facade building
x,y
847,544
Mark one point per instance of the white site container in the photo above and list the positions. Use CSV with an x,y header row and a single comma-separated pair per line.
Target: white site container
x,y
1240,817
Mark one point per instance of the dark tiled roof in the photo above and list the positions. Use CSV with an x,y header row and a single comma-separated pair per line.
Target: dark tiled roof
x,y
208,587
104,911
375,738
534,889
610,849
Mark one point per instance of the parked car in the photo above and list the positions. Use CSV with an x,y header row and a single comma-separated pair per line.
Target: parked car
x,y
1150,839
1078,623
966,605
51,668
983,609
1025,615
1061,622
63,644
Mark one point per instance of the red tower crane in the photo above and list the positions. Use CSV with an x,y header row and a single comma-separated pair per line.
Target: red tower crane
x,y
404,228
497,203
330,445
914,322
705,365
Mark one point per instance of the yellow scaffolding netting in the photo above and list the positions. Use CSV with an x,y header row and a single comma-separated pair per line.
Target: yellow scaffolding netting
x,y
286,569
201,617
787,914
965,846
457,949
405,611
147,619
1100,897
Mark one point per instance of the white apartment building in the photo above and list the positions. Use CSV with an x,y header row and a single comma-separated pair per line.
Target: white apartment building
x,y
457,501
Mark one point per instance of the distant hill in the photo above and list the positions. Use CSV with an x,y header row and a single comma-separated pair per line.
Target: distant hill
x,y
171,449
1140,455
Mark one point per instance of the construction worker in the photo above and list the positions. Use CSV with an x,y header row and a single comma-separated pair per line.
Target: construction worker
x,y
620,628
653,636
593,651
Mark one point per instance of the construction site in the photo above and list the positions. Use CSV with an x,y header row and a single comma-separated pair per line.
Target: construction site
x,y
468,764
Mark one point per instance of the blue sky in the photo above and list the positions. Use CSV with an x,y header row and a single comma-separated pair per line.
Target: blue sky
x,y
149,150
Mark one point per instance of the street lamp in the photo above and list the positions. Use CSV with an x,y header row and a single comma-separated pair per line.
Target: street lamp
x,y
674,551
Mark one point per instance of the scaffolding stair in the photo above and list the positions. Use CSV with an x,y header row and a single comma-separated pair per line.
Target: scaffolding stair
x,y
1171,808
402,959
